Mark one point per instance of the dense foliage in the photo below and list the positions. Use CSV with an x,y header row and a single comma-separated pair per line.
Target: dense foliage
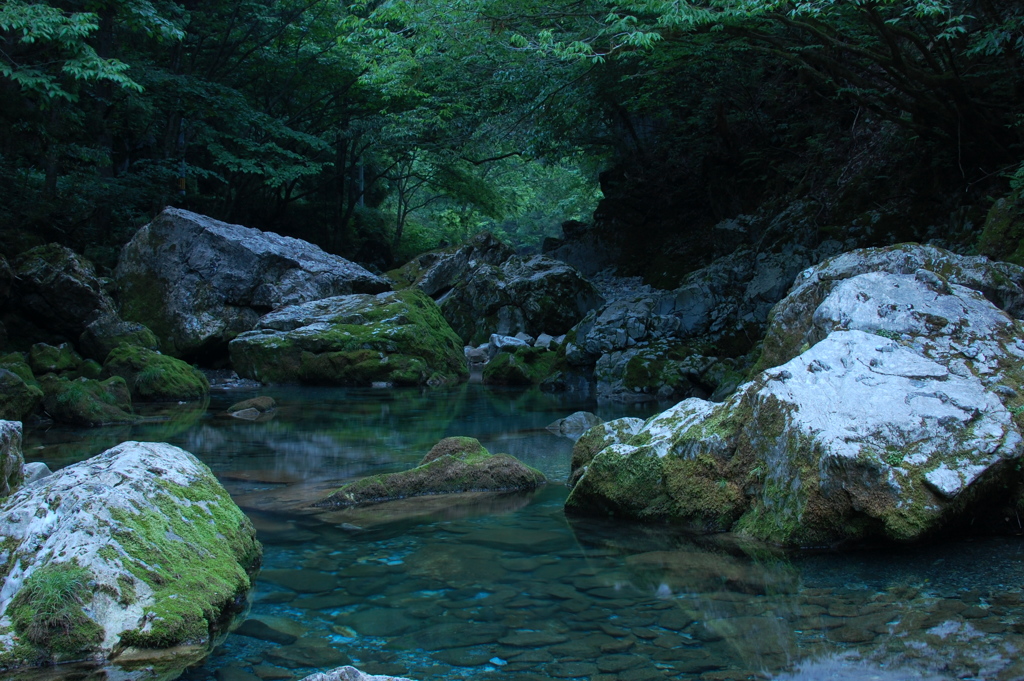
x,y
378,129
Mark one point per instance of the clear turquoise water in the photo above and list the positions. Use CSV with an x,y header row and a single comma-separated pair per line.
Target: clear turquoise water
x,y
508,587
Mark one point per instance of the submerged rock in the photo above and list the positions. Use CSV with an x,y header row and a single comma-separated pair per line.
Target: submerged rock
x,y
898,421
575,424
138,547
453,465
397,337
255,409
198,282
532,295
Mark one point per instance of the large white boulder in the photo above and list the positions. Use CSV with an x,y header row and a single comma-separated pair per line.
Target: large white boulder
x,y
139,547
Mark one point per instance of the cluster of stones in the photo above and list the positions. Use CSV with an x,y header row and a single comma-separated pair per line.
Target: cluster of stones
x,y
887,407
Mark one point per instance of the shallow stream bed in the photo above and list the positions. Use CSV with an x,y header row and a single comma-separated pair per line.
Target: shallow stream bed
x,y
508,587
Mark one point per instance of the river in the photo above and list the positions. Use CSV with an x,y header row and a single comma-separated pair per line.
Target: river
x,y
508,587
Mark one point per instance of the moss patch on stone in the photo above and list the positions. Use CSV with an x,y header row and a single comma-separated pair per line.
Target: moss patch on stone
x,y
453,465
156,377
18,398
47,612
399,338
196,550
45,358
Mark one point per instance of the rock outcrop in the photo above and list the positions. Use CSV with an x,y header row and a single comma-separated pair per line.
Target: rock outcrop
x,y
138,547
894,416
436,272
453,465
531,295
691,341
396,337
152,376
350,674
58,291
198,282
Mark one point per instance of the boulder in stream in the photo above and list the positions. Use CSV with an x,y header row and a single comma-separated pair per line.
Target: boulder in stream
x,y
138,548
453,465
198,282
898,418
397,338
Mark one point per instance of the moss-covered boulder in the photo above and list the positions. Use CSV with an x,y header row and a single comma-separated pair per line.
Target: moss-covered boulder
x,y
254,409
899,420
44,359
109,331
398,338
525,366
453,465
136,548
87,402
600,436
1002,237
18,398
153,376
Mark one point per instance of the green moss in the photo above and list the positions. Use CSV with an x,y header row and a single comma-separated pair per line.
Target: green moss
x,y
526,366
194,550
45,358
142,300
47,611
86,402
453,465
153,376
1002,237
399,338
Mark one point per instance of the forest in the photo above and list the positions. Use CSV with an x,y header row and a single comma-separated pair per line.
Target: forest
x,y
379,130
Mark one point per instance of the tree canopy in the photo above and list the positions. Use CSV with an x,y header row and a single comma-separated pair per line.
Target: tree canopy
x,y
380,128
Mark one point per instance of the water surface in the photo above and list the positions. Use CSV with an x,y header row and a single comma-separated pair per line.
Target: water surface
x,y
506,586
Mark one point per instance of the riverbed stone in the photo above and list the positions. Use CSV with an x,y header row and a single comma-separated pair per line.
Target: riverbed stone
x,y
149,548
198,282
885,427
453,465
398,338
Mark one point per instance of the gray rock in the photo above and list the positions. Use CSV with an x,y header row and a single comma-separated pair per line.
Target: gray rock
x,y
124,529
12,461
529,295
575,424
198,282
436,272
544,341
887,426
58,290
108,331
498,343
36,470
790,329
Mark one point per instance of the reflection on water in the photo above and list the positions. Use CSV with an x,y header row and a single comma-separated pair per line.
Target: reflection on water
x,y
505,586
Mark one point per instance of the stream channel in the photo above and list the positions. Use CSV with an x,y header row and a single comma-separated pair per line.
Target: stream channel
x,y
508,587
